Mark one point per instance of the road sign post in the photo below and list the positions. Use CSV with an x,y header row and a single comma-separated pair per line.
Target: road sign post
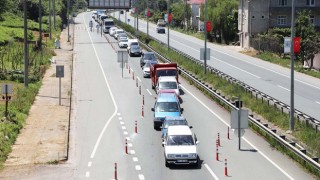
x,y
239,121
6,89
59,74
122,58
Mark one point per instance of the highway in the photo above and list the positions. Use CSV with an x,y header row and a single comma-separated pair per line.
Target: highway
x,y
268,78
108,106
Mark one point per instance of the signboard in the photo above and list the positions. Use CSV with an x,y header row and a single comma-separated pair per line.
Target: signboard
x,y
287,45
6,89
243,119
59,71
202,54
122,56
109,4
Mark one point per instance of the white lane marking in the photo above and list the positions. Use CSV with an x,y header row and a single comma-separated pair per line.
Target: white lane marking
x,y
211,172
265,156
111,95
317,102
89,164
238,68
121,122
243,138
141,177
87,174
283,88
120,118
132,152
149,92
128,139
130,145
138,78
138,167
118,114
123,127
125,132
135,159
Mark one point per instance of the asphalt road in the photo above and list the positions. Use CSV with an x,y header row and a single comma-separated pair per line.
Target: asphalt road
x,y
268,78
108,106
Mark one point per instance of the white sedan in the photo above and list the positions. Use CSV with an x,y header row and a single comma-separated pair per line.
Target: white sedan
x,y
123,43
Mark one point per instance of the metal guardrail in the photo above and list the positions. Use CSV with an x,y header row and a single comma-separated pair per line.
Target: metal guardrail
x,y
291,145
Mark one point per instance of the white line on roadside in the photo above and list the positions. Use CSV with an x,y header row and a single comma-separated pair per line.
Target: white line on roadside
x,y
87,174
125,132
111,95
118,114
123,127
120,118
210,171
138,167
141,177
138,78
89,164
132,152
149,92
130,145
317,102
135,159
121,122
283,88
278,167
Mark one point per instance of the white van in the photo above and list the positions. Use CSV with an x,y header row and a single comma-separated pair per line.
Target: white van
x,y
107,24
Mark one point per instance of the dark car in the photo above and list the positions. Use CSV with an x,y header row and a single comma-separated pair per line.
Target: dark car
x,y
161,29
135,50
147,56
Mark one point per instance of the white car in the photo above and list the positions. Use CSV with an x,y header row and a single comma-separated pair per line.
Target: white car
x,y
146,68
123,42
112,30
168,83
180,146
117,32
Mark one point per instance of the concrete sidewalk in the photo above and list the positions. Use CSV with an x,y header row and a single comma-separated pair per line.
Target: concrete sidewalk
x,y
44,137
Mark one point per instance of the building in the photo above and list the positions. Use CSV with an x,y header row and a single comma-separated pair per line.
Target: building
x,y
257,16
195,17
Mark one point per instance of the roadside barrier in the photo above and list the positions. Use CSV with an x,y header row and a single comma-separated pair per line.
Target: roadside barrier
x,y
142,111
140,89
137,82
142,99
217,151
136,127
126,148
219,139
132,75
115,171
228,133
225,168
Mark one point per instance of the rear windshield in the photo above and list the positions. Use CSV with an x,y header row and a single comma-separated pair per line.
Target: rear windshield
x,y
168,85
171,72
134,43
109,23
176,140
149,56
174,122
167,107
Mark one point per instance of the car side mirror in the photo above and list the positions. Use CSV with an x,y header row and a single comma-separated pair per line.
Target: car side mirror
x,y
197,142
181,109
163,143
152,109
190,127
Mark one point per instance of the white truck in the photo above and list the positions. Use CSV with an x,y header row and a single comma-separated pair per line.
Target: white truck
x,y
180,146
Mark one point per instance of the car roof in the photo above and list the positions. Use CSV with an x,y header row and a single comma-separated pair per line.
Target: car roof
x,y
167,79
167,97
178,118
179,130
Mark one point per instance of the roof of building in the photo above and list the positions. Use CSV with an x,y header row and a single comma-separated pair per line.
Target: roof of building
x,y
195,2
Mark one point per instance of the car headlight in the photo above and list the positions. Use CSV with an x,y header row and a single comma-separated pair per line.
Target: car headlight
x,y
170,155
193,155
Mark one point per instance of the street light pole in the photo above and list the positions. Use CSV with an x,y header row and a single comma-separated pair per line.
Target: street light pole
x,y
148,19
168,9
54,13
205,37
26,62
68,4
292,71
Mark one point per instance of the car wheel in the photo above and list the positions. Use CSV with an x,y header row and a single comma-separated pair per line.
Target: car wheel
x,y
130,54
154,126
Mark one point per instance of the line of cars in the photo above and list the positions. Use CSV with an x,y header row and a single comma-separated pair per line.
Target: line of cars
x,y
179,142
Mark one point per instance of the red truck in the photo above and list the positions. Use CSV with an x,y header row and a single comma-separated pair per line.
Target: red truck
x,y
157,70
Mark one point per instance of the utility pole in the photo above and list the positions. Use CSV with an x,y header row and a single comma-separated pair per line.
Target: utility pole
x,y
168,9
50,19
185,15
147,19
205,37
26,61
54,13
68,4
292,71
40,30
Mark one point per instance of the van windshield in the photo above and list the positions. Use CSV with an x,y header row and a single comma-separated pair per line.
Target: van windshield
x,y
178,140
170,72
167,107
109,23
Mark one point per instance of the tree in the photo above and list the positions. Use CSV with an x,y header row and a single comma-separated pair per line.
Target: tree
x,y
3,7
309,38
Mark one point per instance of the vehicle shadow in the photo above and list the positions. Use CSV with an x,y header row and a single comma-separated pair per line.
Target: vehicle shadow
x,y
184,167
250,150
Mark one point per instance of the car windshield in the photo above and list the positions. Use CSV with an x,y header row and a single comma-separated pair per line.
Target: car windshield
x,y
149,56
177,140
134,44
167,107
171,72
109,23
174,122
135,47
168,85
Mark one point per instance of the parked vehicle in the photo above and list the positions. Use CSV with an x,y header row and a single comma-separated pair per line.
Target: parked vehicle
x,y
107,24
147,56
172,121
167,104
135,50
146,68
168,83
158,70
180,146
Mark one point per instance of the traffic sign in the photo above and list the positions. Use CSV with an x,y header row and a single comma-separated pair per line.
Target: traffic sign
x,y
170,18
148,13
208,26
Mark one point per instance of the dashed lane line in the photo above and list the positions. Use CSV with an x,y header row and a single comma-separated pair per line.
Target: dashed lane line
x,y
149,92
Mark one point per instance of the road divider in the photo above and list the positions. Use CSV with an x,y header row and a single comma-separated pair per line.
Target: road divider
x,y
136,127
115,171
225,168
